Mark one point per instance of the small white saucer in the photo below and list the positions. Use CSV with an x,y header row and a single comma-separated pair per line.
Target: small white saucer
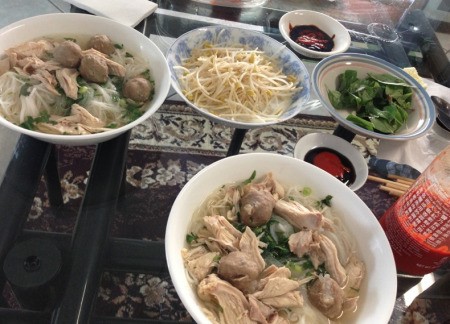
x,y
325,140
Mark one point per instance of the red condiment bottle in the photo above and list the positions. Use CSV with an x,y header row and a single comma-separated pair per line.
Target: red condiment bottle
x,y
417,225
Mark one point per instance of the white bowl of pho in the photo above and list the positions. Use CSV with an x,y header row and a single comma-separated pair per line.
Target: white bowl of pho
x,y
237,77
78,79
263,237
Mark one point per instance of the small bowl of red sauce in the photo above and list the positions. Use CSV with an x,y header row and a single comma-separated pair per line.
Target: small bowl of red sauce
x,y
334,155
314,34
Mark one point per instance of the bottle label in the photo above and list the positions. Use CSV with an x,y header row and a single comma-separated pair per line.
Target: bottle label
x,y
417,227
426,216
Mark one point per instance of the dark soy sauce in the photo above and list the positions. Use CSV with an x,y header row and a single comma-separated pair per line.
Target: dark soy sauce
x,y
311,37
333,162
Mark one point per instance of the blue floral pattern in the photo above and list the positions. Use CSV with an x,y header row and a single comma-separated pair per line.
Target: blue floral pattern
x,y
288,60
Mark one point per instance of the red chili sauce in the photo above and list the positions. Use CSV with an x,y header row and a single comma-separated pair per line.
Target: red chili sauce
x,y
311,37
333,162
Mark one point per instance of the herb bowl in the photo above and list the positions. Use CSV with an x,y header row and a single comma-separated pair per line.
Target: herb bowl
x,y
327,24
421,114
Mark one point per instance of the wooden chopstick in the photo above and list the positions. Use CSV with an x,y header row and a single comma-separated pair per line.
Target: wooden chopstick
x,y
395,187
393,192
401,179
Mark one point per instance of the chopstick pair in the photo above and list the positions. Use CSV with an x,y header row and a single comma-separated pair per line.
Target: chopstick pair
x,y
396,186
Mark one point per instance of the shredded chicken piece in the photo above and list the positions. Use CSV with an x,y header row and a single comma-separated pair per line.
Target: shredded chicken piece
x,y
276,287
199,262
114,68
233,304
4,65
38,49
67,79
300,242
80,121
31,64
47,79
332,264
261,312
298,215
268,183
223,232
249,245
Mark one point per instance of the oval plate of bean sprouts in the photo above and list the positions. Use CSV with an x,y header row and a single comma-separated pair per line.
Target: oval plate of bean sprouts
x,y
240,78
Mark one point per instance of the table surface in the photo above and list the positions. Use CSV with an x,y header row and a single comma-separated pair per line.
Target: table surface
x,y
25,160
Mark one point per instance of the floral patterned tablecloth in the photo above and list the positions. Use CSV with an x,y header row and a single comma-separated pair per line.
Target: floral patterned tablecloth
x,y
164,153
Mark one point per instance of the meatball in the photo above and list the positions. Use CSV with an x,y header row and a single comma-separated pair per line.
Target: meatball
x,y
101,43
256,207
68,54
137,89
93,68
326,295
239,269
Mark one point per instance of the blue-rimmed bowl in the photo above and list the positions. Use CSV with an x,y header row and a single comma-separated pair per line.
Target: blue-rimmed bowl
x,y
289,62
324,78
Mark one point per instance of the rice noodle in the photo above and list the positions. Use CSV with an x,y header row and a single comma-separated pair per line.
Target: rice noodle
x,y
24,96
236,83
222,202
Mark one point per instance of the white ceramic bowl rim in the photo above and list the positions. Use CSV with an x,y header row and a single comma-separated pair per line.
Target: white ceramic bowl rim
x,y
289,61
342,43
378,290
430,115
44,25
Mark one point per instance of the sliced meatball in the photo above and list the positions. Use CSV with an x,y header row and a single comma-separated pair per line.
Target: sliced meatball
x,y
326,295
101,43
137,89
93,68
256,207
239,269
68,54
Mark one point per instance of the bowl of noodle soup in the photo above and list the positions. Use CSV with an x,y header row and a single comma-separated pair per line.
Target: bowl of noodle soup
x,y
35,101
204,201
240,78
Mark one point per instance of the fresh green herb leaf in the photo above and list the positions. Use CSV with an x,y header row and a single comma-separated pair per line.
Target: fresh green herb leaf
x,y
378,102
30,122
132,111
118,46
25,89
324,202
252,177
191,238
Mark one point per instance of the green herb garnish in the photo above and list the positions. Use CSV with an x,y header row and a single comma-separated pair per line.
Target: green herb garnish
x,y
379,102
252,177
306,191
191,238
30,122
324,202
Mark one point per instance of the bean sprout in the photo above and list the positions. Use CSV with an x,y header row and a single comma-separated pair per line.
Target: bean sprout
x,y
236,83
